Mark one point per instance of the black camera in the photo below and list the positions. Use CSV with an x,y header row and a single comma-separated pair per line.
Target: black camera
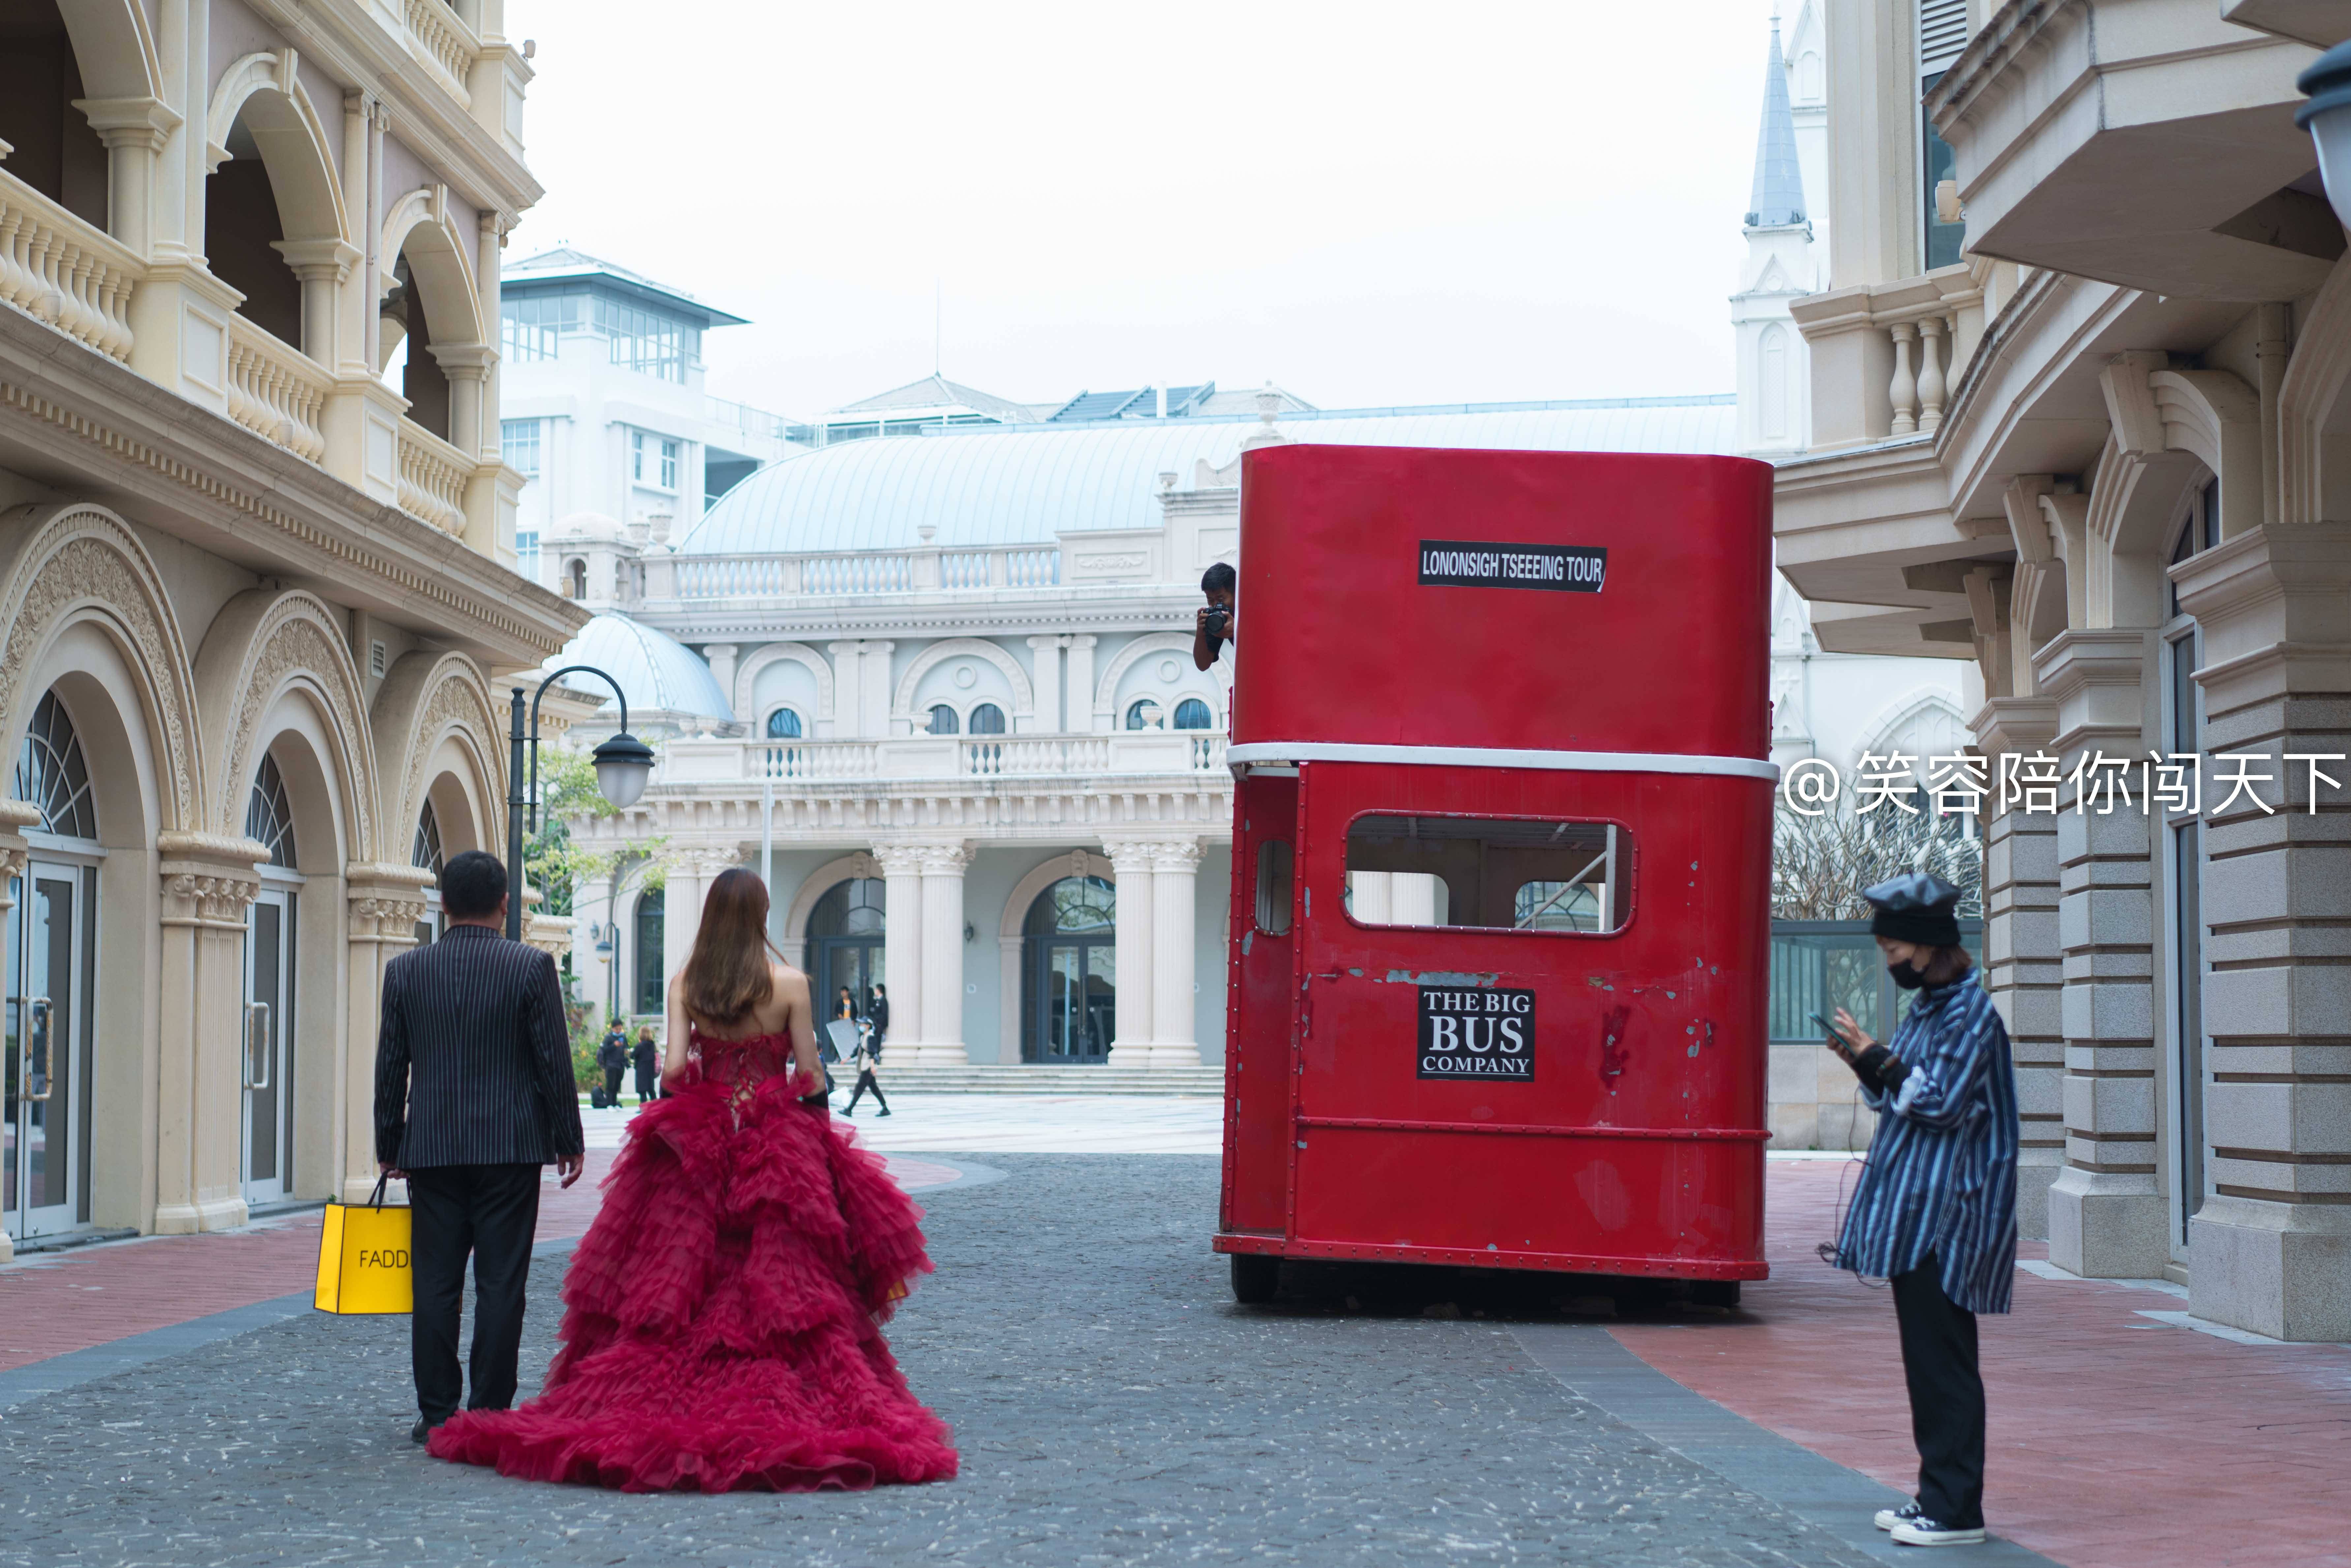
x,y
1217,623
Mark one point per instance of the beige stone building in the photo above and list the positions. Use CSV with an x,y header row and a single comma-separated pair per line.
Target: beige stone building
x,y
2077,415
254,596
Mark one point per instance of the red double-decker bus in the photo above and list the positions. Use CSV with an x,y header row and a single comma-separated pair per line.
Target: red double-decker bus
x,y
1502,864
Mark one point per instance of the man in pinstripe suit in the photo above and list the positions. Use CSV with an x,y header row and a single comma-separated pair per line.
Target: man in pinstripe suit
x,y
473,1094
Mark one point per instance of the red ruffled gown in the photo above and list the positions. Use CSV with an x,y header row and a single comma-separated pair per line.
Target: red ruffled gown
x,y
721,1329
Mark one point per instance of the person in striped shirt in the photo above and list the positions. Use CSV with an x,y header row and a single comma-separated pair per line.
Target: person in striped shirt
x,y
1935,1211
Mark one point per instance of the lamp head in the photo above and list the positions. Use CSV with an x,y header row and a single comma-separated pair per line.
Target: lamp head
x,y
624,763
2328,118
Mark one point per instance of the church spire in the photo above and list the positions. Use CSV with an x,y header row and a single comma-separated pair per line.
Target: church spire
x,y
1778,201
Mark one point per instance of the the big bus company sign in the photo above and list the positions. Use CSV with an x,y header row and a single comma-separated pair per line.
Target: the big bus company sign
x,y
1485,1032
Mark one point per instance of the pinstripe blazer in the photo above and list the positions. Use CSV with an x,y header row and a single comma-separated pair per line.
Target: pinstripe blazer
x,y
473,1063
1941,1176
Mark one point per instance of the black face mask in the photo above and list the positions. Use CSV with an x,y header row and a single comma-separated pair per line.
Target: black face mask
x,y
1906,975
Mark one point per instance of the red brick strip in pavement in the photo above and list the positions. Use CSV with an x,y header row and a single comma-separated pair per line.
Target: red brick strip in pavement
x,y
2115,1441
54,1303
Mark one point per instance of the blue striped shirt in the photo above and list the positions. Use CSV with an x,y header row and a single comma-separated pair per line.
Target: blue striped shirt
x,y
1941,1173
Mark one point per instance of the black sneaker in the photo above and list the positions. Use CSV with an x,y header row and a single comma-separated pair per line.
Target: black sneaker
x,y
886,1110
1887,1518
1925,1532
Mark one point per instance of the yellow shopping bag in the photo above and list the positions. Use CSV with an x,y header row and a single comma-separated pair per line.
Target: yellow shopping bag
x,y
364,1266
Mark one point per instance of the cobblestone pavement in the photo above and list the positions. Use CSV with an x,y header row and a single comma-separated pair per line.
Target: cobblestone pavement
x,y
1112,1405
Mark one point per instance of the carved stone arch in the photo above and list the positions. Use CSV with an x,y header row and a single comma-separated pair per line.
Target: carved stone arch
x,y
114,49
79,562
263,644
858,867
428,698
2215,417
265,89
1077,862
746,676
438,263
1125,659
1024,695
2314,413
1882,732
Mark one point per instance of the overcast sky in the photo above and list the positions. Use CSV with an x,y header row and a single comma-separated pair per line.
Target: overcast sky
x,y
1368,203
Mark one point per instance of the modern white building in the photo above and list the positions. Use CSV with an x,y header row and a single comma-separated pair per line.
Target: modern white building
x,y
942,684
604,411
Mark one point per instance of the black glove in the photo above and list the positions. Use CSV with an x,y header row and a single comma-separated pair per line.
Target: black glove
x,y
1881,1070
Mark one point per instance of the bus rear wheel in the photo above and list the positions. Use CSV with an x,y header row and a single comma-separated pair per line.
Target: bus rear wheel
x,y
1255,1277
1714,1292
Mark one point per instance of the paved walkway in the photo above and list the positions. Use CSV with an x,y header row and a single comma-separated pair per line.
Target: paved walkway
x,y
2120,1435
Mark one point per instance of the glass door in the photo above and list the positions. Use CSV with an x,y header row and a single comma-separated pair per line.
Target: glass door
x,y
265,1058
1076,984
41,1185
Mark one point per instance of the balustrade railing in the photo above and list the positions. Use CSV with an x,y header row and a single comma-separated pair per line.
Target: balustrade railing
x,y
969,756
432,476
878,572
437,34
276,391
1887,357
62,269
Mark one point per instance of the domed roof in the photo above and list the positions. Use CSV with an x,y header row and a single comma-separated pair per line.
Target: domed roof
x,y
1023,484
658,672
585,525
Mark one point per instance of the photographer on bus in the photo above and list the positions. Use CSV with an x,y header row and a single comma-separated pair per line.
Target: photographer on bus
x,y
1212,627
1935,1210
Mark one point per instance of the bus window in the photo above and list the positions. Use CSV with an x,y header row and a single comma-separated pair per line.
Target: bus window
x,y
1273,886
1490,873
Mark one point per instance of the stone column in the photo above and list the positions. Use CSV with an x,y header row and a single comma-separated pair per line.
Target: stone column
x,y
209,883
2022,968
848,708
689,884
1132,865
876,693
2271,1250
321,265
901,940
2106,1208
382,905
941,1041
1080,699
1045,673
134,130
1175,1031
720,657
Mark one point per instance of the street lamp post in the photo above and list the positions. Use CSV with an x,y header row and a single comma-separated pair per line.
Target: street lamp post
x,y
623,764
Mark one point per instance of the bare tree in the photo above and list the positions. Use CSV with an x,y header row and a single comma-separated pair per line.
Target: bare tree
x,y
1819,864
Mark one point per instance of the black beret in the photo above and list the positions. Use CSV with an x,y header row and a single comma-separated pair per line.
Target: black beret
x,y
1914,907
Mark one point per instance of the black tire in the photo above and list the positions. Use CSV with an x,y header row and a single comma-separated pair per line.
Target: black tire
x,y
1255,1278
1714,1292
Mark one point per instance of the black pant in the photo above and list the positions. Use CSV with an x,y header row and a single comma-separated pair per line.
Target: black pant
x,y
648,1084
865,1081
1947,1397
613,1085
491,1212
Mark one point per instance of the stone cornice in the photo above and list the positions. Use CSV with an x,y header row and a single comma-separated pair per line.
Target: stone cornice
x,y
170,464
2014,723
1051,612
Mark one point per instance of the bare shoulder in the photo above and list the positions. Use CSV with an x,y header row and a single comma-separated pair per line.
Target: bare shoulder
x,y
791,986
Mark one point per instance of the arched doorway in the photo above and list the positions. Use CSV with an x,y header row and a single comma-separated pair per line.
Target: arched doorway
x,y
1070,963
267,1057
51,961
844,934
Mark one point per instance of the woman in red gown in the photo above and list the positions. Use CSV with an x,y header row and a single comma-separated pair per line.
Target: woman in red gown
x,y
721,1327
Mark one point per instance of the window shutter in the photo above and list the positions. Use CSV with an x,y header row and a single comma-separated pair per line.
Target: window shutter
x,y
1943,34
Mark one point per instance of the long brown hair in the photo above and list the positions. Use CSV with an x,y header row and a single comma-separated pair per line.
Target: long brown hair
x,y
727,974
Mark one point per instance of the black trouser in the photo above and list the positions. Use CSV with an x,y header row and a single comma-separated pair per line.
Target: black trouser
x,y
491,1212
613,1085
865,1081
1947,1396
648,1084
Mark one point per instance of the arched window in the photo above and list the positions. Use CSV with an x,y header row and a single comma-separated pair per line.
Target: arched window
x,y
987,719
575,578
425,852
942,720
50,773
652,930
1145,714
1069,1002
845,932
784,725
268,817
1771,382
1193,714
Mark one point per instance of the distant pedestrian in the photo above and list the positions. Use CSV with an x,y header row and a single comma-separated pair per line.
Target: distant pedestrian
x,y
646,1060
612,1059
868,1057
1935,1211
878,1015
